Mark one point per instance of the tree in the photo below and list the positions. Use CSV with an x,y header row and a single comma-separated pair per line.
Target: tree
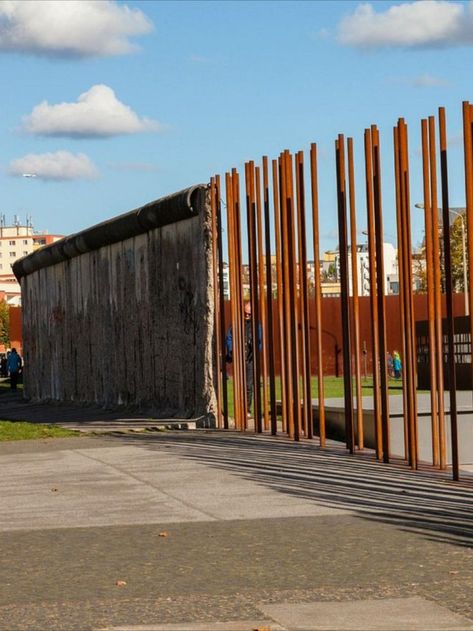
x,y
419,270
456,249
4,323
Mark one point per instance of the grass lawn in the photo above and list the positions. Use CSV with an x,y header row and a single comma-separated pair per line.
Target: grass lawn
x,y
333,388
20,430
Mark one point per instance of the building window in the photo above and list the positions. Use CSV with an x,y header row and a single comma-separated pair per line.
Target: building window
x,y
25,241
25,252
12,253
1,266
12,242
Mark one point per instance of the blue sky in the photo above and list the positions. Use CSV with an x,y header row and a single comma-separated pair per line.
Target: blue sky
x,y
174,92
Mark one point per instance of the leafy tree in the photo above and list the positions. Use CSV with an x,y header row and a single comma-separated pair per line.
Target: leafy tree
x,y
419,270
456,249
4,323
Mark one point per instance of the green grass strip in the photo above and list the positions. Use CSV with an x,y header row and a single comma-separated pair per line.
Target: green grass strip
x,y
20,430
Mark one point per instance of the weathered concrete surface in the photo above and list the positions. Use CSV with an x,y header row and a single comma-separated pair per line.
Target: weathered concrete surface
x,y
130,323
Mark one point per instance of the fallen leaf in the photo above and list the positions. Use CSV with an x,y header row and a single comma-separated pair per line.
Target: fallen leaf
x,y
120,583
261,629
163,534
454,572
54,490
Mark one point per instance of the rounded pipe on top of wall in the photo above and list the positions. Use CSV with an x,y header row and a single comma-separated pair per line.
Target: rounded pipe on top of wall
x,y
167,210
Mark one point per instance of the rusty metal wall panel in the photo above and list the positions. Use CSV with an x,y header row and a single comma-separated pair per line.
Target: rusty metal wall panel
x,y
128,324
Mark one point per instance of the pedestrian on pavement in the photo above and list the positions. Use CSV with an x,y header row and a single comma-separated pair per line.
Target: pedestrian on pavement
x,y
397,365
14,364
249,354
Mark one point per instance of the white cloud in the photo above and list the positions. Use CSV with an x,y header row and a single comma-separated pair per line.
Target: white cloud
x,y
60,165
76,28
97,113
425,23
428,81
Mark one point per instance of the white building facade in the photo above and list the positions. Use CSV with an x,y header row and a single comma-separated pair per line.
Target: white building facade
x,y
16,241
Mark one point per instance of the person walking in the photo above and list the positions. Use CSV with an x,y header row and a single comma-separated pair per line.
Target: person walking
x,y
397,365
249,353
14,364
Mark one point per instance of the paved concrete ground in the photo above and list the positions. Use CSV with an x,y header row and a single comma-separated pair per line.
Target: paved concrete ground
x,y
205,530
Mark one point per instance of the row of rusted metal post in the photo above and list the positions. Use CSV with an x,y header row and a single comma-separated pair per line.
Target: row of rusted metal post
x,y
276,203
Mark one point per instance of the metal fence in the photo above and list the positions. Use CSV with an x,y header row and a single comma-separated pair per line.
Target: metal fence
x,y
278,197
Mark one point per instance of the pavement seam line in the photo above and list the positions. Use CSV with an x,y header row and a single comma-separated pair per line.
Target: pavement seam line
x,y
153,486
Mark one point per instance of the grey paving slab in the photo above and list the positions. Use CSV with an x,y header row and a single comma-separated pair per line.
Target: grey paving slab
x,y
389,614
232,625
126,484
314,526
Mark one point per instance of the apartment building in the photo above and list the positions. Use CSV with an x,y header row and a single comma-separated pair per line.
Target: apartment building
x,y
18,240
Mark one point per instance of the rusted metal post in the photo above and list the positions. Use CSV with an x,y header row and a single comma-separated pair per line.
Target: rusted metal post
x,y
344,302
233,223
355,299
277,196
289,339
400,242
304,298
378,223
254,298
269,337
452,384
318,292
222,302
219,341
292,295
373,292
439,344
263,354
429,259
468,158
409,361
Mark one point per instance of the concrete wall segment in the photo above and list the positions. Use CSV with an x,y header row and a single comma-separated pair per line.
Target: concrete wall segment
x,y
130,322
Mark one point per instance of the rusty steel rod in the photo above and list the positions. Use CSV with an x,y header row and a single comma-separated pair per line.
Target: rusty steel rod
x,y
304,298
355,298
289,339
373,292
217,304
277,195
439,345
263,352
344,302
468,160
239,283
222,303
318,293
234,274
269,338
292,296
406,291
400,256
410,357
429,259
452,384
380,283
254,298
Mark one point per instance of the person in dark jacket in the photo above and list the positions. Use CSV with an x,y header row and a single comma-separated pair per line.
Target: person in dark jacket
x,y
14,367
249,354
